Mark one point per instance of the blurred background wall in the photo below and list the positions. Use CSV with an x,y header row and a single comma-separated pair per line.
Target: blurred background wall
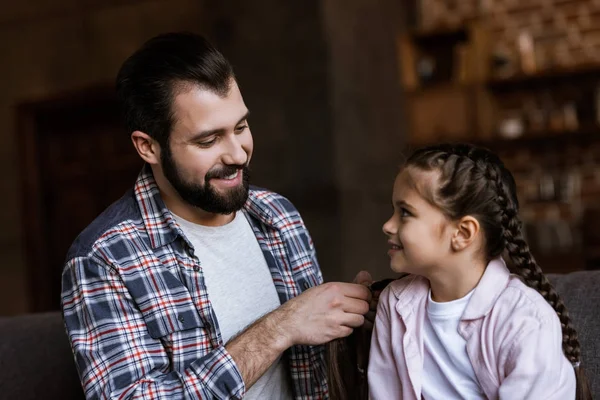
x,y
339,92
319,77
522,78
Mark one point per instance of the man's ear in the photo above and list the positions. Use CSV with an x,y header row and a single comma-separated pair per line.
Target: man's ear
x,y
467,229
146,147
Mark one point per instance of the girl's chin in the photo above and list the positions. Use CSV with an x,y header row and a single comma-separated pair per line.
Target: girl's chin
x,y
397,267
401,265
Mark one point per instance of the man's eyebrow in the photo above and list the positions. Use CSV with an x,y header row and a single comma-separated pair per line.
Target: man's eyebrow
x,y
204,134
245,117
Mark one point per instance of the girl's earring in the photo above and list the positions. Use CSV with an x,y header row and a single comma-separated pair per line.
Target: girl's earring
x,y
456,244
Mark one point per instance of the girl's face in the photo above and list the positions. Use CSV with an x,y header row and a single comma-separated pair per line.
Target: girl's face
x,y
419,233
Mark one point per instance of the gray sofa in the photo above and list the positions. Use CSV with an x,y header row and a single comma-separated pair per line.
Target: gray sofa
x,y
36,361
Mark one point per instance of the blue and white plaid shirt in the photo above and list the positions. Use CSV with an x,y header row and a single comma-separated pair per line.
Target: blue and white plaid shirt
x,y
136,307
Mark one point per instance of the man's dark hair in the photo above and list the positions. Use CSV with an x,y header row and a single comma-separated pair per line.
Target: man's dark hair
x,y
166,64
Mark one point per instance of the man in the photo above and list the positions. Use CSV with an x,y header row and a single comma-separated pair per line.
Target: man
x,y
194,285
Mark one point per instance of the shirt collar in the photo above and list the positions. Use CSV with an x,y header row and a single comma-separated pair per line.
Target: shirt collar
x,y
162,227
492,283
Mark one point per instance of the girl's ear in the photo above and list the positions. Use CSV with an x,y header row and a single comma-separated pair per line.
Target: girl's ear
x,y
466,232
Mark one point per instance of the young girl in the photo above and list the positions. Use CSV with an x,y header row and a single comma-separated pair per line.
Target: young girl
x,y
460,325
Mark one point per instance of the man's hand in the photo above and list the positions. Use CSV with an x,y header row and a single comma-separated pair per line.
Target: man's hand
x,y
364,278
323,313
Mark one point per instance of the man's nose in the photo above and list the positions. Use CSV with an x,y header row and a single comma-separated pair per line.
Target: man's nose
x,y
235,152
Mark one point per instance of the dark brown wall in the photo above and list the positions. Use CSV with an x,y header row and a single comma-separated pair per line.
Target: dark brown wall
x,y
280,57
320,79
49,48
368,125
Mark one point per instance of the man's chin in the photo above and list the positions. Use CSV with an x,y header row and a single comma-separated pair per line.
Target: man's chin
x,y
228,194
233,199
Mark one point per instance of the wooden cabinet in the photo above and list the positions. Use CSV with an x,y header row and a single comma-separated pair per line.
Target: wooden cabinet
x,y
523,81
76,159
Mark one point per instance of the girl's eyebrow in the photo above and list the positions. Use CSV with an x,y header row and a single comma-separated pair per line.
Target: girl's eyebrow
x,y
402,203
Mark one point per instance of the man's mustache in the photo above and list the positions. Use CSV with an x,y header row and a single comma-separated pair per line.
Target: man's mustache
x,y
224,171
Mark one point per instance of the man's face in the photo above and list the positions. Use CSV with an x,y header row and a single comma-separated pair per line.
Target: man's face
x,y
209,149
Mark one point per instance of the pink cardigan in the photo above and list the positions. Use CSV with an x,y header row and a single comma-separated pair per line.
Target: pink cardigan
x,y
514,340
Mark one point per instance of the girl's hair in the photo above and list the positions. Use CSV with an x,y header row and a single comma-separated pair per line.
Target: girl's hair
x,y
474,181
347,361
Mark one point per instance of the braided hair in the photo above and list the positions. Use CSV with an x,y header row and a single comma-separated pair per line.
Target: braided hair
x,y
474,181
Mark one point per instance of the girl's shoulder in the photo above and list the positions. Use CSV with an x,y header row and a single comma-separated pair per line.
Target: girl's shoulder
x,y
405,284
520,299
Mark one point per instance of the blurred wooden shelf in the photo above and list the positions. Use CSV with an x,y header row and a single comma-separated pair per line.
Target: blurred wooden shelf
x,y
439,37
440,86
543,78
581,136
551,139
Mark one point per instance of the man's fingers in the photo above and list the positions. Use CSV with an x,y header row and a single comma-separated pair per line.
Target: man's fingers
x,y
363,278
356,291
353,320
355,306
344,331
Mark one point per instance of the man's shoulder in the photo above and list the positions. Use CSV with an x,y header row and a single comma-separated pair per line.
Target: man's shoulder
x,y
123,211
271,200
274,210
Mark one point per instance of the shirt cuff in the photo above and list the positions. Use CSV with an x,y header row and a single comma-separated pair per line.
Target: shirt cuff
x,y
220,375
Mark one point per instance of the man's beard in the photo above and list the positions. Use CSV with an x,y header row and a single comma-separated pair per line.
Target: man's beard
x,y
205,196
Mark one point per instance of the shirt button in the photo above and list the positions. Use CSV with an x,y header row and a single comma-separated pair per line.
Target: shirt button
x,y
181,318
196,268
305,285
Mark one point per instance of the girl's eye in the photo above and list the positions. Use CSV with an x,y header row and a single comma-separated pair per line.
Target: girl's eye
x,y
404,213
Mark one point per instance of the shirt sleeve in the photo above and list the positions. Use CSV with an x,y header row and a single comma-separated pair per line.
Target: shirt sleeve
x,y
384,381
115,355
315,262
536,367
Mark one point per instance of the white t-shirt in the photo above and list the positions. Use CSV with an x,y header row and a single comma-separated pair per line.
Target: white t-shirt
x,y
240,289
447,370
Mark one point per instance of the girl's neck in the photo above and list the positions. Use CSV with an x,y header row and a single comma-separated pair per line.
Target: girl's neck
x,y
454,282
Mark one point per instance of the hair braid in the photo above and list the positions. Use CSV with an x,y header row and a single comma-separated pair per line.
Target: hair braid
x,y
473,181
527,268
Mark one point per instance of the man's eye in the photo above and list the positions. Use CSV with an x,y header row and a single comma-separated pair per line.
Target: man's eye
x,y
207,143
241,128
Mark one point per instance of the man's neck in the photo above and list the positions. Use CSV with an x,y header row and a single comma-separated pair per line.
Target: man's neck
x,y
194,214
184,210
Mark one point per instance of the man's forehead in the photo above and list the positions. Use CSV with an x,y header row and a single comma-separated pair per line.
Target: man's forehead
x,y
199,110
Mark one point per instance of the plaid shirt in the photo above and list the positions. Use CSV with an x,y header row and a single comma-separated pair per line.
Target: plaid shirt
x,y
137,311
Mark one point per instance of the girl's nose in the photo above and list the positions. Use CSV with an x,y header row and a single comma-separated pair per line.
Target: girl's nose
x,y
390,228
